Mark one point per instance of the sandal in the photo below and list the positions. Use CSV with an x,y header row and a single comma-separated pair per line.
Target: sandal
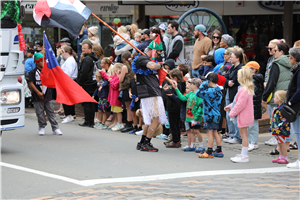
x,y
274,152
293,146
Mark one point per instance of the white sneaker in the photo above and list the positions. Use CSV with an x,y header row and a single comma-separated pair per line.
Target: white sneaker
x,y
117,127
68,119
294,165
240,159
232,141
41,131
57,132
226,139
252,147
96,126
139,132
272,141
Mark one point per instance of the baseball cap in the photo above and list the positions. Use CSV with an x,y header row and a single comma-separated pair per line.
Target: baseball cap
x,y
85,41
65,40
211,76
162,26
142,31
202,28
147,32
252,64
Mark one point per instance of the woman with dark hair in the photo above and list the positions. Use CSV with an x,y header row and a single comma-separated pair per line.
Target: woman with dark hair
x,y
70,68
215,43
232,84
278,78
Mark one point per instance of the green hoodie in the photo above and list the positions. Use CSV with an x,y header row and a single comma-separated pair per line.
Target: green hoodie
x,y
193,109
284,75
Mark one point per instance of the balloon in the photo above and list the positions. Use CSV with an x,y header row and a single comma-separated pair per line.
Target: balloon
x,y
117,20
22,45
119,24
114,24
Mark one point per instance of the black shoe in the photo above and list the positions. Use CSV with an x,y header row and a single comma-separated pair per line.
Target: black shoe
x,y
135,129
138,146
126,129
149,148
85,125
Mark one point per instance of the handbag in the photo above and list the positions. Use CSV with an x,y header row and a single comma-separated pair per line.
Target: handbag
x,y
289,114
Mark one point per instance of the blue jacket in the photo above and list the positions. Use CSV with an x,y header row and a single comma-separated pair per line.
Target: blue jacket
x,y
204,69
83,36
104,91
29,64
212,98
219,59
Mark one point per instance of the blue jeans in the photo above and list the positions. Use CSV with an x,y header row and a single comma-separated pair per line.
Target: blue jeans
x,y
252,132
296,126
233,129
195,73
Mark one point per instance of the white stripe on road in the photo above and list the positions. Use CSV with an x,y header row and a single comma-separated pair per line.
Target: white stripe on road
x,y
152,177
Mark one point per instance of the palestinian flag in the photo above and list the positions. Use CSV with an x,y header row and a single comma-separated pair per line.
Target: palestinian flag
x,y
66,14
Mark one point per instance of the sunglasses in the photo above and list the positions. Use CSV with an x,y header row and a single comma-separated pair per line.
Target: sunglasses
x,y
62,51
214,37
275,50
269,48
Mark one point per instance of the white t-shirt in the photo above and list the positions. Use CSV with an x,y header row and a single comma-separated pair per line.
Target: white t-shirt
x,y
70,67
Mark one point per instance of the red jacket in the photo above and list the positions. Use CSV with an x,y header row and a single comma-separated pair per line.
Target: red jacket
x,y
113,89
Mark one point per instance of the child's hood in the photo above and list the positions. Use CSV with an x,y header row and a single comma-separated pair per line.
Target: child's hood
x,y
219,58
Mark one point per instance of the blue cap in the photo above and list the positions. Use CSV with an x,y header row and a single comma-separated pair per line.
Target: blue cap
x,y
201,28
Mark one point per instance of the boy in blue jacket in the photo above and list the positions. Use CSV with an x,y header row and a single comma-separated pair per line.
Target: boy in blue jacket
x,y
211,94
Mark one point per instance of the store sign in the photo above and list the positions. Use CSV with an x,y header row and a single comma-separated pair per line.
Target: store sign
x,y
109,8
29,6
277,6
182,8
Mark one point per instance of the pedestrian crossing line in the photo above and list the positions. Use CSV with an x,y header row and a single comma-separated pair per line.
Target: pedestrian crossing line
x,y
159,177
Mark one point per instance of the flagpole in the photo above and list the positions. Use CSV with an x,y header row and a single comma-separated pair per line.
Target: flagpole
x,y
117,33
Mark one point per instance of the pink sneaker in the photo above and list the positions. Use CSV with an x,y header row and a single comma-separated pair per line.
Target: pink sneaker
x,y
275,160
283,161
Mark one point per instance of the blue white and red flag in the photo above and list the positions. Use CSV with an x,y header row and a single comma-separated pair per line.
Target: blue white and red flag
x,y
67,90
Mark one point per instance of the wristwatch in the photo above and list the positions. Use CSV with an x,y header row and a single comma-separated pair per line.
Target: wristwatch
x,y
289,103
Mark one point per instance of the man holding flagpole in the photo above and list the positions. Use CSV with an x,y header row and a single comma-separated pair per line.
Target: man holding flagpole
x,y
149,92
85,80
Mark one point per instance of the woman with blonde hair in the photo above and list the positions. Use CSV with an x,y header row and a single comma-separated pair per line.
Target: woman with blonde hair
x,y
242,110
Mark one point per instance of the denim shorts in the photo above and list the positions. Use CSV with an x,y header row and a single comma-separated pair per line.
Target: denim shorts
x,y
211,126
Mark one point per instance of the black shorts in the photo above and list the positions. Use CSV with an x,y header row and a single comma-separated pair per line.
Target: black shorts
x,y
194,127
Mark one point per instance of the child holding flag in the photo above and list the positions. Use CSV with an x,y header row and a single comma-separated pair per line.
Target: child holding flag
x,y
42,97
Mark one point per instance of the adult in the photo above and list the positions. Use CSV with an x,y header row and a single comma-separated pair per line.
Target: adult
x,y
176,44
227,64
215,43
98,50
82,36
226,41
293,96
219,59
201,47
162,27
70,68
149,93
232,84
271,49
85,80
278,79
154,32
145,43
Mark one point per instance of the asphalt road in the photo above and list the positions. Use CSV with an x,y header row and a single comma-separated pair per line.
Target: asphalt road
x,y
35,166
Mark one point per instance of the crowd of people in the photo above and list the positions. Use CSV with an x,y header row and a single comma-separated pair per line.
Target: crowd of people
x,y
223,92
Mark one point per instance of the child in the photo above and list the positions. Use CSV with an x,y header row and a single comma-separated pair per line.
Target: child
x,y
173,108
103,107
208,65
184,70
193,114
134,106
119,43
137,40
42,98
29,63
212,97
92,35
280,127
258,81
242,108
113,96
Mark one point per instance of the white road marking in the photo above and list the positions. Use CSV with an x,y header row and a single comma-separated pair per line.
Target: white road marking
x,y
152,177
